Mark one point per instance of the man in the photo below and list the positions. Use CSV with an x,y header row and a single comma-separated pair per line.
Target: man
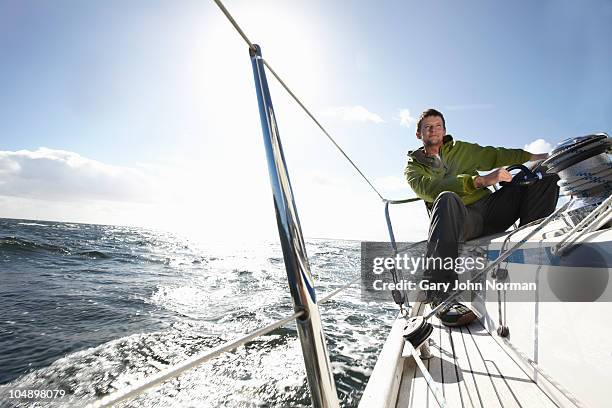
x,y
444,174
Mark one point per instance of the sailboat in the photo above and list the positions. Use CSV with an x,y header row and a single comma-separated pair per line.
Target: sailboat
x,y
548,348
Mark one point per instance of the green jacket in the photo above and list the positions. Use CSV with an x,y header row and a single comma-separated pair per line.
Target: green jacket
x,y
457,169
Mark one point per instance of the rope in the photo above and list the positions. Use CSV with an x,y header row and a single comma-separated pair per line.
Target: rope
x,y
178,369
588,224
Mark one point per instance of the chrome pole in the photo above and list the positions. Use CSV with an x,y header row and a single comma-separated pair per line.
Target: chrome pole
x,y
301,284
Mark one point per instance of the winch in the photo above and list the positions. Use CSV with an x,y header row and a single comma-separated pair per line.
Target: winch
x,y
584,167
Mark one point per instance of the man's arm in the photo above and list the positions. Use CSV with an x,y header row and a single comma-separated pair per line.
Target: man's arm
x,y
488,157
502,174
428,187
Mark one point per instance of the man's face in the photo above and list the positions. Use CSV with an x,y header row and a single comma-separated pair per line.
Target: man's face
x,y
432,131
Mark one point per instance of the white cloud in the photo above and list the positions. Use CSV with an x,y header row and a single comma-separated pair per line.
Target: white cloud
x,y
186,197
538,146
66,176
406,118
355,113
204,199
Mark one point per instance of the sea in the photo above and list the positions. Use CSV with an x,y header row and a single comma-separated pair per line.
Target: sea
x,y
91,309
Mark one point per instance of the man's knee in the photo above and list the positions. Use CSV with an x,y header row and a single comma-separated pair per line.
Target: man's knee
x,y
448,203
447,198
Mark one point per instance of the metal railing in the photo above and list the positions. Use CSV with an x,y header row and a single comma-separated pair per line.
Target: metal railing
x,y
301,284
314,349
201,358
178,369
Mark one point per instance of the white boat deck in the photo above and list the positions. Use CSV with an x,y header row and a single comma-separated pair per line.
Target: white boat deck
x,y
556,355
471,370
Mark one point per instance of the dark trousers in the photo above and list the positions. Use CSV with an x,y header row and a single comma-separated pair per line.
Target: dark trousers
x,y
453,222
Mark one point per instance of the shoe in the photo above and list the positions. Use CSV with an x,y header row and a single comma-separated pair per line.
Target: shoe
x,y
455,314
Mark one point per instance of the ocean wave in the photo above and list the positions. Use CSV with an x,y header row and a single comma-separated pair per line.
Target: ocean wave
x,y
179,299
93,373
23,245
171,260
18,244
94,254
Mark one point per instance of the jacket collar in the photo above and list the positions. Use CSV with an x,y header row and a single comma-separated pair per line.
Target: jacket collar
x,y
420,156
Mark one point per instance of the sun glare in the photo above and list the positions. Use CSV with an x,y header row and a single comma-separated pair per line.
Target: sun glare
x,y
289,41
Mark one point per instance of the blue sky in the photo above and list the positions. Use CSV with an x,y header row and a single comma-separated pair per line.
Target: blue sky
x,y
148,116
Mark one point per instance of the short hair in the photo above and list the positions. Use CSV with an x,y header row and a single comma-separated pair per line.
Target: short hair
x,y
430,112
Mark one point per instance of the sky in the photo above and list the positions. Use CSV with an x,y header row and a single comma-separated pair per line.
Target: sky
x,y
144,113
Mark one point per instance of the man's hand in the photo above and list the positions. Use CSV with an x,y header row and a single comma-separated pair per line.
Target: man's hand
x,y
492,178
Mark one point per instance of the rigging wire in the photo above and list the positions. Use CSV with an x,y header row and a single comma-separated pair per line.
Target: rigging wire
x,y
322,128
235,24
195,361
299,102
335,292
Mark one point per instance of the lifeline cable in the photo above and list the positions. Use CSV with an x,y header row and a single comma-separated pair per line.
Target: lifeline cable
x,y
197,360
185,365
